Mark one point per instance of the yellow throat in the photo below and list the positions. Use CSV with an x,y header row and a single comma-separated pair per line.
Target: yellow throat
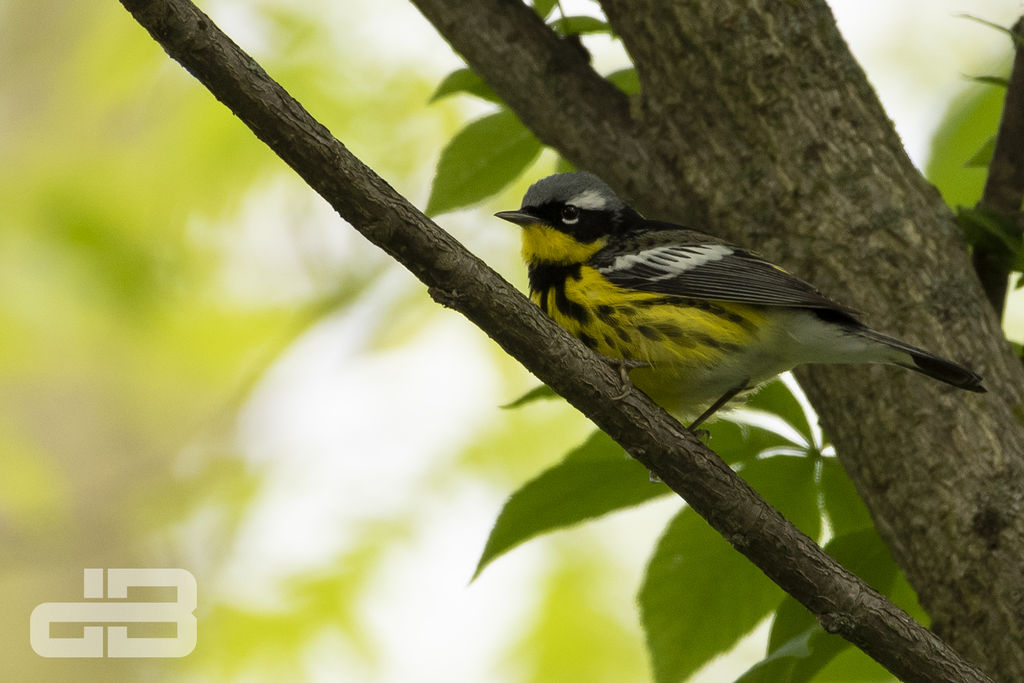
x,y
544,244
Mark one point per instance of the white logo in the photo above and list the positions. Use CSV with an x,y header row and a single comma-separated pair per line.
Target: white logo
x,y
114,608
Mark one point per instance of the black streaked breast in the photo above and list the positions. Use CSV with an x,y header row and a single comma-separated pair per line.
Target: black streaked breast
x,y
547,275
548,280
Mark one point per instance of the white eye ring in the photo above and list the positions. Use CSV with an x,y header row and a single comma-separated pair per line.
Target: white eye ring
x,y
570,214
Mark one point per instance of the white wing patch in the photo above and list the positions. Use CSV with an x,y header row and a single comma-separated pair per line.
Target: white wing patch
x,y
670,261
592,200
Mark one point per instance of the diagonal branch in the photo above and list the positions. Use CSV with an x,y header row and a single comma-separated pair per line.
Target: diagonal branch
x,y
842,602
1004,187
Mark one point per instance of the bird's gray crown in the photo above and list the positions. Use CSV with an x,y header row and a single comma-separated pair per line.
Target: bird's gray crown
x,y
582,189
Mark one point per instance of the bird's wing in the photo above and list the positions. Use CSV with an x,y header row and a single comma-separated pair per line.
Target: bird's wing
x,y
708,270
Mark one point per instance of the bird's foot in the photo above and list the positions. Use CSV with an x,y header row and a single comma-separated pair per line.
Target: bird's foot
x,y
624,365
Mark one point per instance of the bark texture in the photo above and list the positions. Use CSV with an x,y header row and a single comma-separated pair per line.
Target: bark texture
x,y
755,123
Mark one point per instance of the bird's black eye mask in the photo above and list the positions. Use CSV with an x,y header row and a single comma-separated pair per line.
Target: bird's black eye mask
x,y
585,225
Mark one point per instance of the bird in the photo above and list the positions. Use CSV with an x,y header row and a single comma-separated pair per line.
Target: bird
x,y
694,320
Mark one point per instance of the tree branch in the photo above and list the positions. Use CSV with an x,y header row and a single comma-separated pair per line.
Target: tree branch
x,y
1004,186
842,602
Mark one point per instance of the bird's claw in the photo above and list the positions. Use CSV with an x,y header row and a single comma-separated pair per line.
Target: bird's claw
x,y
624,365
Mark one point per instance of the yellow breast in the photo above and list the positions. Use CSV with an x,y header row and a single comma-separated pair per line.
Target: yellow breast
x,y
646,326
686,342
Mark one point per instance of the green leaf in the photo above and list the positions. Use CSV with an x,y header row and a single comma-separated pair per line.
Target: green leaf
x,y
596,478
851,665
776,398
599,477
983,157
699,596
991,80
576,25
787,482
464,81
543,7
625,80
816,655
778,666
480,160
535,394
736,443
792,621
789,664
844,507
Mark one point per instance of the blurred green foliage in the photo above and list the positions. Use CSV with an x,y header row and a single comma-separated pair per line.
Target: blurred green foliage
x,y
119,342
134,326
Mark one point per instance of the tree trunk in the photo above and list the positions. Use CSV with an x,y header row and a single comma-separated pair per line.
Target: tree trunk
x,y
755,123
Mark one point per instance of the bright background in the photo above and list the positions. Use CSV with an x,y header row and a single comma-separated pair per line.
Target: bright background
x,y
202,366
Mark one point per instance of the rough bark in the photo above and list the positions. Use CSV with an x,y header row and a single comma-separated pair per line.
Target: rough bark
x,y
755,123
841,601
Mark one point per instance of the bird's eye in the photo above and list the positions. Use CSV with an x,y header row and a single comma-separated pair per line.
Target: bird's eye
x,y
570,214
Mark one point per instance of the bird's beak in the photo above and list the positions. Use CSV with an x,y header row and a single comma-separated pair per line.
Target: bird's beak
x,y
517,217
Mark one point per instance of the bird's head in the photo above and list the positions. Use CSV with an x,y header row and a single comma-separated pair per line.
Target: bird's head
x,y
567,217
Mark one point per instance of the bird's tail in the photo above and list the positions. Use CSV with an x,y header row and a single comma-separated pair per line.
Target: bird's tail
x,y
911,357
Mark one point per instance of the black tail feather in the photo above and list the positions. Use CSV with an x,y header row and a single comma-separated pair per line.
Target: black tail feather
x,y
928,363
946,371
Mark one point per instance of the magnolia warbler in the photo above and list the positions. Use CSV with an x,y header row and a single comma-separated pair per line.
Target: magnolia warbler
x,y
699,320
